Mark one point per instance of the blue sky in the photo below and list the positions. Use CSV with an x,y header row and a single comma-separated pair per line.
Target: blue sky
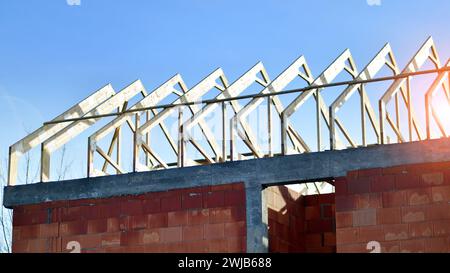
x,y
52,54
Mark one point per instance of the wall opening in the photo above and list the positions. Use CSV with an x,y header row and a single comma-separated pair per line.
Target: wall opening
x,y
301,217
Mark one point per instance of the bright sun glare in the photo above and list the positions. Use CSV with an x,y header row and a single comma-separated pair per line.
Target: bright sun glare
x,y
442,109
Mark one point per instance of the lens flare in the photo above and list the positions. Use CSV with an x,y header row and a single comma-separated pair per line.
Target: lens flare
x,y
442,109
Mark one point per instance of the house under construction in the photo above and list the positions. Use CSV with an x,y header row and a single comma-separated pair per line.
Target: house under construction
x,y
382,188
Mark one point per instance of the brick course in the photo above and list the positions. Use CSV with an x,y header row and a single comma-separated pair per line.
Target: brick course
x,y
202,219
410,205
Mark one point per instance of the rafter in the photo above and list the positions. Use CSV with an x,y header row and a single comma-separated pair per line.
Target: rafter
x,y
77,127
343,63
426,51
193,94
236,88
45,132
385,57
152,99
298,68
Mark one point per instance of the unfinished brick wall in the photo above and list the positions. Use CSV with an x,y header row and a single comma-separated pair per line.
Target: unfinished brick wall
x,y
320,229
300,223
202,219
404,208
286,218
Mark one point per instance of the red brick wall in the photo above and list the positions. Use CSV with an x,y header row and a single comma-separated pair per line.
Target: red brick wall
x,y
203,219
300,223
404,208
286,218
320,230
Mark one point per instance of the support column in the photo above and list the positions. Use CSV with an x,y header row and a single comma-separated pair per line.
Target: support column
x,y
257,219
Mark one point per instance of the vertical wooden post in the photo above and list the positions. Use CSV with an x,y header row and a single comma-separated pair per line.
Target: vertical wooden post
x,y
332,128
180,162
90,158
269,125
136,145
224,132
13,161
283,133
319,131
427,115
397,113
233,128
118,142
382,110
118,151
147,139
408,92
45,164
363,115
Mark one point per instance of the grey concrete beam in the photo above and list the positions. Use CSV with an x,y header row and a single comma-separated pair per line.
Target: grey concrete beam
x,y
258,172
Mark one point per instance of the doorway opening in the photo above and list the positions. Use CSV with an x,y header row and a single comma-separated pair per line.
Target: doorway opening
x,y
301,217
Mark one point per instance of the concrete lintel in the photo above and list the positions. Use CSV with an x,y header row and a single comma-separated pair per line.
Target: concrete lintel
x,y
257,172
